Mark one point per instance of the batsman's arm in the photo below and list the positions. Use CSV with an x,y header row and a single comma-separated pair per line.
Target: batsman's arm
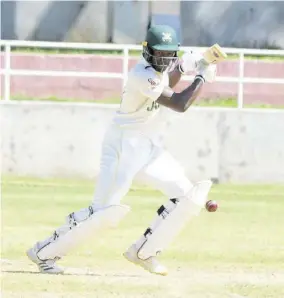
x,y
175,76
186,63
181,101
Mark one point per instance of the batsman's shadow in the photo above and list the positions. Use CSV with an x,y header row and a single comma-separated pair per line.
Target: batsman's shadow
x,y
74,273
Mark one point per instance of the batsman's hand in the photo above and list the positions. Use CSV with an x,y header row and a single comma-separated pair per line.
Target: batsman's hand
x,y
189,61
207,71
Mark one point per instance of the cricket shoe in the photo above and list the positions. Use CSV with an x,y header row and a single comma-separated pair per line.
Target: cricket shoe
x,y
151,264
46,266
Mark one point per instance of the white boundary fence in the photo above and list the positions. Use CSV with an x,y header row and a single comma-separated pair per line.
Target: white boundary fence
x,y
8,72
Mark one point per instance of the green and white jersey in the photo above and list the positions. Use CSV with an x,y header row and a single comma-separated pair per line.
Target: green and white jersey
x,y
138,109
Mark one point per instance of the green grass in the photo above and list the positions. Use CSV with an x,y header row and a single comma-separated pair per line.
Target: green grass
x,y
235,252
57,99
131,53
219,102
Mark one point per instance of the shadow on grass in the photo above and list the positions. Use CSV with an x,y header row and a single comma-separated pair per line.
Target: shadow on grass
x,y
72,273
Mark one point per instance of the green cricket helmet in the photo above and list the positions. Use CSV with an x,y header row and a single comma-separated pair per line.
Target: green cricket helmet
x,y
160,48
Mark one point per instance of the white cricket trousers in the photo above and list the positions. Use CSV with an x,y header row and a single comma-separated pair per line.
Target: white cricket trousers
x,y
127,155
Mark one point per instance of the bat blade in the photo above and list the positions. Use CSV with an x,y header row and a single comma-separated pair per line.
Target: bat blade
x,y
214,54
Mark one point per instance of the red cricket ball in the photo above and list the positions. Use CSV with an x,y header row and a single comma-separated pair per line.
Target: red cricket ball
x,y
211,206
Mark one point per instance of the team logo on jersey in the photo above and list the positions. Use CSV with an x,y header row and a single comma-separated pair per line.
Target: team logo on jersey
x,y
154,82
167,37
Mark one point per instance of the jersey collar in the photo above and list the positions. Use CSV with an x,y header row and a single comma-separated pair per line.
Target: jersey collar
x,y
144,62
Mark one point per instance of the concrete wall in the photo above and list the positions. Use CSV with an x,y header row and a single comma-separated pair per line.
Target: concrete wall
x,y
230,23
46,139
130,21
233,23
56,20
94,23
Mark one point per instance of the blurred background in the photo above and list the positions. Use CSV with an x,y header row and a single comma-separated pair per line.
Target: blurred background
x,y
232,24
39,65
250,24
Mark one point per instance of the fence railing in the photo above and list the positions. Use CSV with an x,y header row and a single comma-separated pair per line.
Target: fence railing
x,y
8,72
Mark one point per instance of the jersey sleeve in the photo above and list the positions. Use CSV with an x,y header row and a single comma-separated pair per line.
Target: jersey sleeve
x,y
149,84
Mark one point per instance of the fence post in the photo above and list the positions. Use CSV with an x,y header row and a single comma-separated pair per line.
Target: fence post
x,y
241,84
7,72
125,65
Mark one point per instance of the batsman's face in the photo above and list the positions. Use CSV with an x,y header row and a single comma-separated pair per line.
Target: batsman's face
x,y
165,60
164,53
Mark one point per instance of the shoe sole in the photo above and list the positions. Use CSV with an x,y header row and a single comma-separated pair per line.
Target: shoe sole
x,y
141,266
33,258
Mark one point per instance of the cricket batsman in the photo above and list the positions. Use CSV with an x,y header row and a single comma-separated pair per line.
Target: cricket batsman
x,y
131,149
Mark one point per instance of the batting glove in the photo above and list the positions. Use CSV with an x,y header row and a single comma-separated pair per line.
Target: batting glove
x,y
207,71
189,62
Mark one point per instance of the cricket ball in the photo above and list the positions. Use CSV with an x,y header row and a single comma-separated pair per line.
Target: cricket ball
x,y
211,206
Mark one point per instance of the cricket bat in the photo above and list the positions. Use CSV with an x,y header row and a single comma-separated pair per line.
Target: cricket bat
x,y
214,54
